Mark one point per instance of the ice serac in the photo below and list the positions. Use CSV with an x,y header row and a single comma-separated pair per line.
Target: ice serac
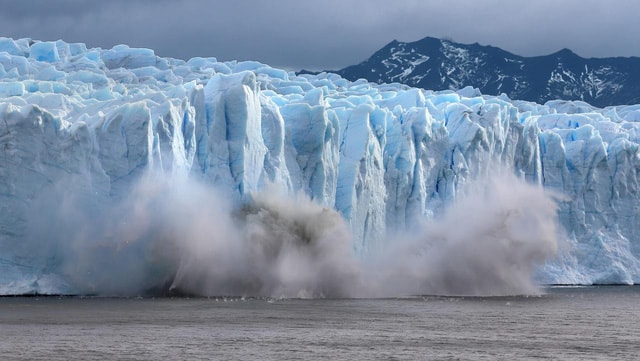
x,y
236,151
83,126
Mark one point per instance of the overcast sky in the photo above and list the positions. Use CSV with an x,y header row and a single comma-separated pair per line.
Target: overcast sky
x,y
327,34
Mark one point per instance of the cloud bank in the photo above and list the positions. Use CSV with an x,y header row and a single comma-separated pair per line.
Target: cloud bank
x,y
330,34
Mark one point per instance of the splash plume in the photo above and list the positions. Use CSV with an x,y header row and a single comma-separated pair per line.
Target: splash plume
x,y
179,236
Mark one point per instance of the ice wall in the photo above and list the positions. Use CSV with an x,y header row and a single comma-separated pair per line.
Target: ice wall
x,y
383,156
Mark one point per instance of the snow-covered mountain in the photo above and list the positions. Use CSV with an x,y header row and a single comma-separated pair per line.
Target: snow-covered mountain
x,y
108,158
437,64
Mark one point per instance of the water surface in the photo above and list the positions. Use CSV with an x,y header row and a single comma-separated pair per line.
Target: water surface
x,y
586,323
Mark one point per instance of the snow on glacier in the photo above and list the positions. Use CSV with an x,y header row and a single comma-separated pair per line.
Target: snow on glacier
x,y
95,121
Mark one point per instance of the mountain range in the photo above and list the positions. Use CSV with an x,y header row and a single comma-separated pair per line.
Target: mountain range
x,y
438,64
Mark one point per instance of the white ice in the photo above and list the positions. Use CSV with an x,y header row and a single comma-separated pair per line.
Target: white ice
x,y
384,156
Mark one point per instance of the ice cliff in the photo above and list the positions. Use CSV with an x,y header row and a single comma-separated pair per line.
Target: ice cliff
x,y
94,121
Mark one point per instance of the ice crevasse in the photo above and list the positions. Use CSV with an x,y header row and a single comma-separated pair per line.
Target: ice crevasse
x,y
381,155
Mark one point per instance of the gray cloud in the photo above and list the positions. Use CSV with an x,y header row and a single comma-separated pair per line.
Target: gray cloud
x,y
329,34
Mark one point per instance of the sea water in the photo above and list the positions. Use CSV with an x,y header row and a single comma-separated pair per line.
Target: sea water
x,y
577,323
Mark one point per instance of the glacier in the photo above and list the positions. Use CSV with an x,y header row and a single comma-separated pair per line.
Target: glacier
x,y
82,127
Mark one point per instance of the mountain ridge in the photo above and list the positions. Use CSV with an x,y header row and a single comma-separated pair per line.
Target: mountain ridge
x,y
439,64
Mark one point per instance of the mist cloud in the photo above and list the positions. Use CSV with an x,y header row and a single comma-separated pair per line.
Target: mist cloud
x,y
175,236
488,242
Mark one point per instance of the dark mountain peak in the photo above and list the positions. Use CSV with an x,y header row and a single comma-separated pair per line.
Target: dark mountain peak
x,y
431,38
565,53
393,42
441,64
438,44
428,40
